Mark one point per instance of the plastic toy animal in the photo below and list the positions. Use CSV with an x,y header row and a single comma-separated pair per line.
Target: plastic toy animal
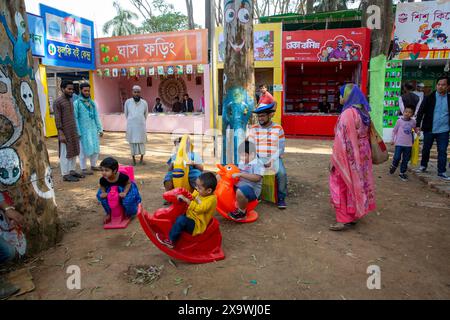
x,y
180,167
119,220
203,248
226,195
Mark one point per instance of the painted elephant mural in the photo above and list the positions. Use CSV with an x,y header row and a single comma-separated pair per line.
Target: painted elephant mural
x,y
239,77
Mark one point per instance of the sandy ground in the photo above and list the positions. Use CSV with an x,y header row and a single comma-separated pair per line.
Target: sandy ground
x,y
284,255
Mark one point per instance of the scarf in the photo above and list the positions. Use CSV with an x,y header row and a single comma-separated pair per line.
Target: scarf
x,y
354,98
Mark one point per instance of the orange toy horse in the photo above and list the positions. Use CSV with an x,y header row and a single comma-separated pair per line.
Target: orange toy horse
x,y
203,248
226,195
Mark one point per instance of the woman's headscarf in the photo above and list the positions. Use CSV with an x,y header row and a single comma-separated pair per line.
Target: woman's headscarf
x,y
354,98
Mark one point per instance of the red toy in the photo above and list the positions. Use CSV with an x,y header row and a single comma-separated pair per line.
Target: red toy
x,y
119,220
203,248
226,195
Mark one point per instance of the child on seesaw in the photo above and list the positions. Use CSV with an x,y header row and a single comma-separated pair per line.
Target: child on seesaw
x,y
199,213
195,166
128,191
249,186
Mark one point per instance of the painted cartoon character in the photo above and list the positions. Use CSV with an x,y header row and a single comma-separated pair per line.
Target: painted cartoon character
x,y
424,32
436,29
354,54
348,48
324,55
238,103
20,45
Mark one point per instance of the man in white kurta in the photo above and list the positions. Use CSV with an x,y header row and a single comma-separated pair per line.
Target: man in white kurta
x,y
136,112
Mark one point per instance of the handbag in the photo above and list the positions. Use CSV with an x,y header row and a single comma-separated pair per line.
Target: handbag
x,y
379,150
415,152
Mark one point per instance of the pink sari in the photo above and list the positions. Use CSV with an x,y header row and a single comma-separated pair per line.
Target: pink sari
x,y
351,180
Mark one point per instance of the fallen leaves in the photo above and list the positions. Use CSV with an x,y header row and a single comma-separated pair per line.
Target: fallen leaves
x,y
143,275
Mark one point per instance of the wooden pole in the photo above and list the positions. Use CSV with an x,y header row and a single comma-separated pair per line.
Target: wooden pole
x,y
25,173
239,76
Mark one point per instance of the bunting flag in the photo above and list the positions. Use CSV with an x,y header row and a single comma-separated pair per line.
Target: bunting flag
x,y
200,69
180,70
161,70
123,72
99,73
132,72
107,73
170,70
115,72
151,71
189,69
142,72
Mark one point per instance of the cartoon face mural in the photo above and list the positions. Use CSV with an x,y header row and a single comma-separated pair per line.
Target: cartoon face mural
x,y
48,182
10,169
10,117
27,96
238,15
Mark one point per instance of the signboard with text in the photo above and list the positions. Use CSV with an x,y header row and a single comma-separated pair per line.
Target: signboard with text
x,y
158,49
69,40
327,45
422,30
37,35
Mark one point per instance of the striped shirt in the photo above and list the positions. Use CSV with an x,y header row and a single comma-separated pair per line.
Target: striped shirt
x,y
270,142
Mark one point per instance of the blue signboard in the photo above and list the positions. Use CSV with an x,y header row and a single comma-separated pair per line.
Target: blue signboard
x,y
69,40
37,35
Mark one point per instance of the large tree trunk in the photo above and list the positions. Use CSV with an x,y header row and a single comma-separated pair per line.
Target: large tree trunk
x,y
239,76
381,38
25,173
190,14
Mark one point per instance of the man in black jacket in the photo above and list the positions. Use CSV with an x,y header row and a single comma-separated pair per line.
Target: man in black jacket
x,y
433,119
188,104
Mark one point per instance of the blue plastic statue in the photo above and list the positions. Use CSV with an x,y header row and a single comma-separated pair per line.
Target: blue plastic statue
x,y
237,109
21,47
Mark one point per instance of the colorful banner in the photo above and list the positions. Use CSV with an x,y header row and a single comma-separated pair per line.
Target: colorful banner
x,y
263,46
69,40
392,93
422,30
327,46
158,49
37,35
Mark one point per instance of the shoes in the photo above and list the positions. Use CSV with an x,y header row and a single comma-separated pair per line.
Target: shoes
x,y
421,170
7,289
282,204
70,178
87,172
444,176
403,177
76,175
392,170
166,242
238,215
339,227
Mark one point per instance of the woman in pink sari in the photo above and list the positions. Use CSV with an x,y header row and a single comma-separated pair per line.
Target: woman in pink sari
x,y
351,180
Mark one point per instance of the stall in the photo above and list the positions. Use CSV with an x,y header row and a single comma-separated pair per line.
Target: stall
x,y
421,53
315,65
63,49
267,57
164,65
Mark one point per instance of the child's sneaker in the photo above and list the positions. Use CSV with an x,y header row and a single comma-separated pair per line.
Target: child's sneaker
x,y
238,215
444,177
282,204
166,242
392,170
403,176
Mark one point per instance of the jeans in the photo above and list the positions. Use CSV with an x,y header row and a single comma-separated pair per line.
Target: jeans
x,y
403,154
182,223
442,145
7,251
130,203
281,181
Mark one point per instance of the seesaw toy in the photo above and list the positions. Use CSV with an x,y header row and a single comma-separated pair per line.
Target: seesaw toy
x,y
226,195
119,219
203,248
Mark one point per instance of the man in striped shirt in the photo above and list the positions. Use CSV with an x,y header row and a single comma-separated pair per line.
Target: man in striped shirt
x,y
270,143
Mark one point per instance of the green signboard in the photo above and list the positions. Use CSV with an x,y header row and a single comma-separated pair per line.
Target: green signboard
x,y
392,93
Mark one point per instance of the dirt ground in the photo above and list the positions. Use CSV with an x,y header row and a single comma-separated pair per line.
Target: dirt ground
x,y
284,255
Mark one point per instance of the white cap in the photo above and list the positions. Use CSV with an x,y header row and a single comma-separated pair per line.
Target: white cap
x,y
421,85
137,88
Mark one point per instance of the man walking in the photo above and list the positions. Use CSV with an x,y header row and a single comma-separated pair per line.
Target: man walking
x,y
69,142
136,113
409,99
433,119
89,129
270,141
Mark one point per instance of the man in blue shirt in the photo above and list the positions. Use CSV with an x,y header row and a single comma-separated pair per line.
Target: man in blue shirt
x,y
433,119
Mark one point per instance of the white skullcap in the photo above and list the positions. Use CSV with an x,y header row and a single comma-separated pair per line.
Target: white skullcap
x,y
421,85
137,88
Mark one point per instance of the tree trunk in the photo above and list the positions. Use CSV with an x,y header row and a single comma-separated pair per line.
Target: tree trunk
x,y
310,6
25,173
239,76
190,14
380,38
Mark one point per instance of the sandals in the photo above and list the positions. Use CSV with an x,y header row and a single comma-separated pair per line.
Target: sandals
x,y
342,226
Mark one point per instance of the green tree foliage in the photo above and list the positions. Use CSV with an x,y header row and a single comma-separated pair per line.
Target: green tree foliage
x,y
121,24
